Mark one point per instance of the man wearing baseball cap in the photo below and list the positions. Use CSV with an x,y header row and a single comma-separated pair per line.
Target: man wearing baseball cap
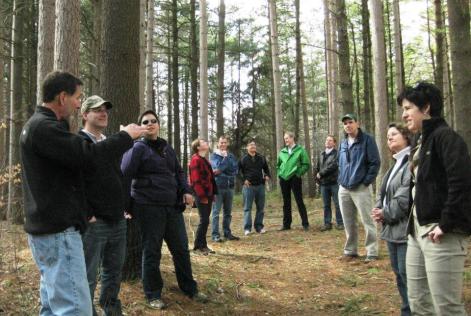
x,y
104,240
359,163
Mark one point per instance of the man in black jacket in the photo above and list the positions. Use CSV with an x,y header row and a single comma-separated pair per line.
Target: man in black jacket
x,y
327,173
52,162
104,242
254,170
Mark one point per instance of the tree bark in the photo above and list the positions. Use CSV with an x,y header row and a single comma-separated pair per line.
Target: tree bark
x,y
14,213
220,74
120,84
345,81
398,56
460,45
169,84
176,93
67,42
390,64
193,71
368,101
149,56
429,41
142,54
439,44
46,26
276,74
379,81
204,69
301,87
447,88
96,51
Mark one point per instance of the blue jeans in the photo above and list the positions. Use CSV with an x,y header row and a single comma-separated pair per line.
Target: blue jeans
x,y
251,193
104,245
224,200
397,254
159,223
329,192
63,286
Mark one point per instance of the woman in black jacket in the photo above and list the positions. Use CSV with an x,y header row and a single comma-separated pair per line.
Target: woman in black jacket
x,y
440,214
391,209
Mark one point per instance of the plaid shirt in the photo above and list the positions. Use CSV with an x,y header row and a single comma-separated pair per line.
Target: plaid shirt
x,y
202,177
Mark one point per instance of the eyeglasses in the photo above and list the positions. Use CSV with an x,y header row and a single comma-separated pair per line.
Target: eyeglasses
x,y
146,122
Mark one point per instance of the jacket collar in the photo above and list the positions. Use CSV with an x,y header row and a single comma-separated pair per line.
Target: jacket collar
x,y
428,126
46,111
358,138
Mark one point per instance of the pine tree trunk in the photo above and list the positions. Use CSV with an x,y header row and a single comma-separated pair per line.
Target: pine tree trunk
x,y
439,44
368,102
4,112
120,84
357,73
389,64
204,70
176,93
398,56
193,61
379,82
276,74
220,74
67,42
274,149
149,55
169,84
460,45
301,87
186,114
447,88
46,26
142,54
96,52
429,42
14,213
345,81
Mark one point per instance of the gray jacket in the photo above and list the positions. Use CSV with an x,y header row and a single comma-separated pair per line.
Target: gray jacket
x,y
395,211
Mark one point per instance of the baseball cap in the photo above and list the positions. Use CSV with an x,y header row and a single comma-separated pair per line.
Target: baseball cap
x,y
94,102
349,116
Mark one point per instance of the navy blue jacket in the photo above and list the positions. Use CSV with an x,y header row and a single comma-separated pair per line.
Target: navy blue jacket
x,y
360,163
153,175
227,166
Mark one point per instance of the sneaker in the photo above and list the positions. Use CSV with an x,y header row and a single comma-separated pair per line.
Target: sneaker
x,y
284,228
246,232
232,237
348,258
218,239
339,227
200,297
199,251
262,231
156,303
208,250
326,227
369,259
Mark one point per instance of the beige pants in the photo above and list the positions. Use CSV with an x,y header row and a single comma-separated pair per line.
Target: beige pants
x,y
350,201
435,275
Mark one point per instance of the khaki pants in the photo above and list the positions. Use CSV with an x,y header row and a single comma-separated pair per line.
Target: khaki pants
x,y
350,201
435,275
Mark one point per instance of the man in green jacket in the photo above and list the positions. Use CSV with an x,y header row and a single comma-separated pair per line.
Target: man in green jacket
x,y
292,163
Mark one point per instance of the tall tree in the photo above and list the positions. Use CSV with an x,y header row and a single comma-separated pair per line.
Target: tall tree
x,y
398,54
96,47
4,108
220,74
447,88
142,53
175,86
14,213
46,26
439,44
379,80
367,68
120,84
460,46
193,61
276,73
203,69
345,80
149,56
301,94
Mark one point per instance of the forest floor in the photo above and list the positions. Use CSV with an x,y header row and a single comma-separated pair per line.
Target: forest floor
x,y
278,273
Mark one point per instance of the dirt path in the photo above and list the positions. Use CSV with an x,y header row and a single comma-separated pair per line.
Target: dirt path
x,y
277,273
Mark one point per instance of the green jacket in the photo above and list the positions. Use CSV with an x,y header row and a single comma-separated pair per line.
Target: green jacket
x,y
295,164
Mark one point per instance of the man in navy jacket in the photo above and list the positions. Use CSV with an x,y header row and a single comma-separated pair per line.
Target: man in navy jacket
x,y
359,163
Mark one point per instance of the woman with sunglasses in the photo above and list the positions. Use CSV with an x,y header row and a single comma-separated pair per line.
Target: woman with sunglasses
x,y
158,188
440,217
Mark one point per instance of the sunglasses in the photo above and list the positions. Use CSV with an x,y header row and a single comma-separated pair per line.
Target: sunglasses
x,y
146,122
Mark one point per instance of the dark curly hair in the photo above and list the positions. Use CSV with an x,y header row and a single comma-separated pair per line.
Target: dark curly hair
x,y
423,94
